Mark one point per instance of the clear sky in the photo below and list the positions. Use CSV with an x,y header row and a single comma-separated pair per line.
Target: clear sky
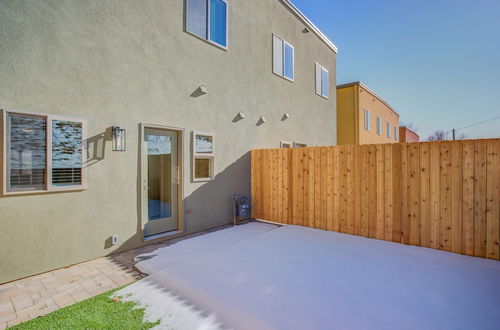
x,y
437,62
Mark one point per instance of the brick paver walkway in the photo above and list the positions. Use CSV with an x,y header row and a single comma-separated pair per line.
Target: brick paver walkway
x,y
34,296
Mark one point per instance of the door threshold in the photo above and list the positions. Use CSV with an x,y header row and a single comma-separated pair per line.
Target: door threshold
x,y
166,234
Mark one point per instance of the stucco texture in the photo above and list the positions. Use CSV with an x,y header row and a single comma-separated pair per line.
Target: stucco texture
x,y
124,62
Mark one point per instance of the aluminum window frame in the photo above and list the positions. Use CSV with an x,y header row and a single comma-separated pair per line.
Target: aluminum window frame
x,y
284,43
207,39
198,155
319,91
48,186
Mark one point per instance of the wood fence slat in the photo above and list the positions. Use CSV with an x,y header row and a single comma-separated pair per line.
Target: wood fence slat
x,y
445,198
388,193
405,198
397,189
414,193
424,194
480,185
317,188
456,196
364,191
357,190
336,189
329,188
372,190
493,199
468,198
343,189
323,187
305,180
350,189
380,183
435,193
311,183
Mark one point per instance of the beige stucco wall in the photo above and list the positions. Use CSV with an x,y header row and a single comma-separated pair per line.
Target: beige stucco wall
x,y
378,109
126,62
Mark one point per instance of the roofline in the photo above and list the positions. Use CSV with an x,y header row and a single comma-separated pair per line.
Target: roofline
x,y
310,25
359,83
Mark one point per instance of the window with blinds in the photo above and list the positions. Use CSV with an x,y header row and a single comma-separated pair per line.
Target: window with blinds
x,y
44,152
208,20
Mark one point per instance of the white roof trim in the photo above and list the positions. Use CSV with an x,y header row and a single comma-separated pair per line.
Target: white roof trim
x,y
311,25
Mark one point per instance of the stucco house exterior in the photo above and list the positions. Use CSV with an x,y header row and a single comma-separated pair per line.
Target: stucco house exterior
x,y
127,122
363,117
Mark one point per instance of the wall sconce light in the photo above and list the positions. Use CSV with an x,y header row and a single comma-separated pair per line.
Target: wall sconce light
x,y
262,120
241,115
285,116
119,138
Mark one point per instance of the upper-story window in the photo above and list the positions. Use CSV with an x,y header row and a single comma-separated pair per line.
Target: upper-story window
x,y
379,126
322,81
283,58
208,20
388,130
43,153
396,133
368,120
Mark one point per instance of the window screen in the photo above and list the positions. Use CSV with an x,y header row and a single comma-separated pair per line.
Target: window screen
x,y
66,153
289,62
27,152
218,22
197,13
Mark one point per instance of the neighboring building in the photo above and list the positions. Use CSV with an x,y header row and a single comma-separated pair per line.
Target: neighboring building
x,y
406,135
191,85
363,117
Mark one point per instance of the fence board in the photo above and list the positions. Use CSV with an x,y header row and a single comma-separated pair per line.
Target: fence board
x,y
443,195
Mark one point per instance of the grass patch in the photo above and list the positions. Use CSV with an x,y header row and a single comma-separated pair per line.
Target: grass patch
x,y
99,312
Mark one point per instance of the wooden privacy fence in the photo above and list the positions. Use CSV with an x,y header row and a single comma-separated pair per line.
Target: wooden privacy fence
x,y
441,195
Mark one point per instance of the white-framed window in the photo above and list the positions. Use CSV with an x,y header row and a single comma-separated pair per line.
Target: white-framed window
x,y
203,151
283,58
396,133
388,130
42,152
208,19
286,144
322,81
299,144
379,126
368,120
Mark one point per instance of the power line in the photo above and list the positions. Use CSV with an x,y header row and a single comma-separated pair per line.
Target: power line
x,y
472,125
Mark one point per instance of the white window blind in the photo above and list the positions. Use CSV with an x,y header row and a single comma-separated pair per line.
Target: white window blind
x,y
283,58
322,81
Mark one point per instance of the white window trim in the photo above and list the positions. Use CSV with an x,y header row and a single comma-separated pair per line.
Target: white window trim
x,y
319,91
213,43
298,144
283,58
49,187
283,143
195,155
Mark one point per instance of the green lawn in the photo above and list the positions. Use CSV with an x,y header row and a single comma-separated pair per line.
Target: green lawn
x,y
99,312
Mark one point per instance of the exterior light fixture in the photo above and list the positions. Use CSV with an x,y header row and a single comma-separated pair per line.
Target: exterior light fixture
x,y
262,120
285,116
241,115
119,138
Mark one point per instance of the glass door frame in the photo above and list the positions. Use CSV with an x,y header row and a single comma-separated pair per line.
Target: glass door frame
x,y
143,182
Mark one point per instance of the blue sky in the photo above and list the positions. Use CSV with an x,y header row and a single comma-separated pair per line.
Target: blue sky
x,y
437,62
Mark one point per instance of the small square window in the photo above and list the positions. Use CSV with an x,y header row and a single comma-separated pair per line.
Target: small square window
x,y
203,156
286,144
299,145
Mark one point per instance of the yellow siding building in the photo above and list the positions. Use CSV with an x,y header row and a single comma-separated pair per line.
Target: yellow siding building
x,y
363,117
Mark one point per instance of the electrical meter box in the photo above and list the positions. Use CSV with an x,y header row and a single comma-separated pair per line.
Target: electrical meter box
x,y
241,208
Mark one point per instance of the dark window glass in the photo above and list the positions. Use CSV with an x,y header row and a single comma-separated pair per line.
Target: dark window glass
x,y
66,153
26,148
